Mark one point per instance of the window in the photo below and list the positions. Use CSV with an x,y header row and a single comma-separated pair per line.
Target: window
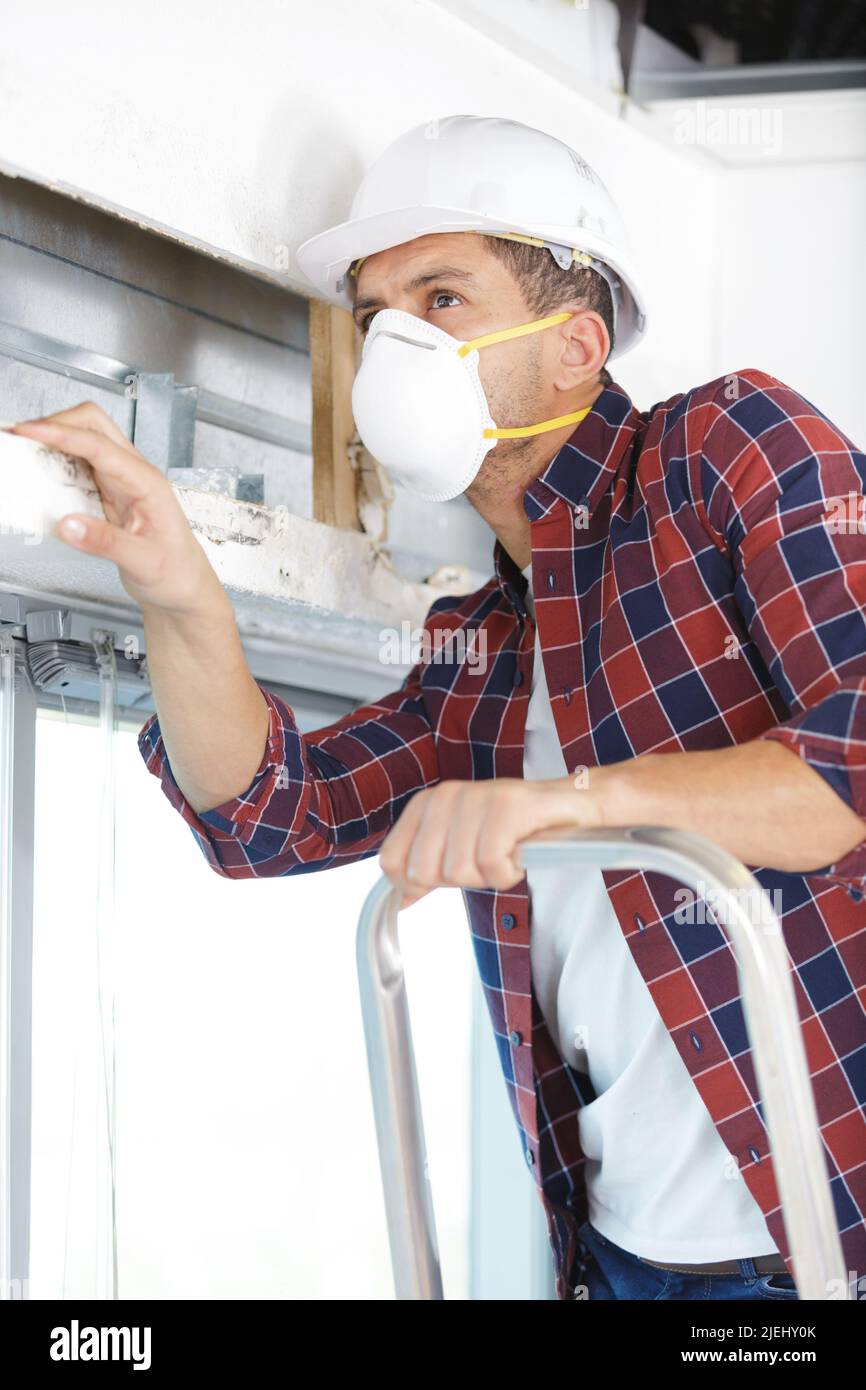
x,y
246,1157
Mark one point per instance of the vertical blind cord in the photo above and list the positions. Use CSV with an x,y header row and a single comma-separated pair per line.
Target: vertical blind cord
x,y
105,961
7,748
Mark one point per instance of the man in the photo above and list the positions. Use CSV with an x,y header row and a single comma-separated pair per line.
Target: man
x,y
674,636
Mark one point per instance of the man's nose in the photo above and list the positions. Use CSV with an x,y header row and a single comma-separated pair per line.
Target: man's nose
x,y
404,302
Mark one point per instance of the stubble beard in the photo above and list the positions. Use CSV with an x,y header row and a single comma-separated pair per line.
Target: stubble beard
x,y
512,464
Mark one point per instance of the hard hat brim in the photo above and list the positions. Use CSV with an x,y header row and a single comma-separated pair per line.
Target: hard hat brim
x,y
324,259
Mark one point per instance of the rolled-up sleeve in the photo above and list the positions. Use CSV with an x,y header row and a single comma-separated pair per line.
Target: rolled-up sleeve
x,y
324,797
783,490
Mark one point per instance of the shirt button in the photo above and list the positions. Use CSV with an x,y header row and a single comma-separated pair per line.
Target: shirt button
x,y
507,920
551,579
516,1038
639,922
530,1157
855,894
518,677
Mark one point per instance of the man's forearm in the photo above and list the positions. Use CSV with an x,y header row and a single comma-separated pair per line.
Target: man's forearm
x,y
212,715
758,800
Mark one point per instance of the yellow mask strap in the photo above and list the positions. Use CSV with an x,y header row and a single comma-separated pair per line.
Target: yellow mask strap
x,y
524,431
502,333
541,428
499,336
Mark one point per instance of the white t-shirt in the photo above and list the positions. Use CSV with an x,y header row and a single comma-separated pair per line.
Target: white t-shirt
x,y
660,1181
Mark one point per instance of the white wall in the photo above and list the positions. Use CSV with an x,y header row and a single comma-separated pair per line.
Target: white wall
x,y
792,283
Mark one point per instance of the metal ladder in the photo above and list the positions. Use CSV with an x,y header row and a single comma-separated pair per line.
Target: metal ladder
x,y
772,1023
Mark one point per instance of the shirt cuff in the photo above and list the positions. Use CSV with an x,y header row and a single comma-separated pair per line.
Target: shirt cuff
x,y
843,767
237,818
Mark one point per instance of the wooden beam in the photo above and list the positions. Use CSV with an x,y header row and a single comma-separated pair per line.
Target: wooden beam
x,y
333,357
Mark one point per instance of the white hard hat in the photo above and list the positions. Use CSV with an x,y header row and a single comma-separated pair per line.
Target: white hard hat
x,y
482,174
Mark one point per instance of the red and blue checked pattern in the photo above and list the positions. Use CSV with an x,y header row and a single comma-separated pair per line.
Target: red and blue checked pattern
x,y
700,580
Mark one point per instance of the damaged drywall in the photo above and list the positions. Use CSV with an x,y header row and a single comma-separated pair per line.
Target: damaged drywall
x,y
288,563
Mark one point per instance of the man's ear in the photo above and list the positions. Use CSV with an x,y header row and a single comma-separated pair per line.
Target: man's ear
x,y
585,347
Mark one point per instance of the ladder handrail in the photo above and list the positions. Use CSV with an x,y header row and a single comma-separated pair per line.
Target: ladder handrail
x,y
772,1023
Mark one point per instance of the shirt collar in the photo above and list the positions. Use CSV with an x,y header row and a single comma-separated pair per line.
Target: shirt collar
x,y
579,474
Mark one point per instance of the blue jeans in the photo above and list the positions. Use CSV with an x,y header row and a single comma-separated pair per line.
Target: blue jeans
x,y
605,1270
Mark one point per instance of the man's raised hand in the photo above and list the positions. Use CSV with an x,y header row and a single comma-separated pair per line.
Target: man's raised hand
x,y
145,532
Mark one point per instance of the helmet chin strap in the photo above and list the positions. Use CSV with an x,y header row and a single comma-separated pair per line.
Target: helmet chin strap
x,y
535,326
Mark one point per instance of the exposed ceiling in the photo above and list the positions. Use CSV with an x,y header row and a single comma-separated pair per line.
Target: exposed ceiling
x,y
761,31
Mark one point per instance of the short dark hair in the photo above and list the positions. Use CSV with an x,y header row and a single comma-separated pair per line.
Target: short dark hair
x,y
547,287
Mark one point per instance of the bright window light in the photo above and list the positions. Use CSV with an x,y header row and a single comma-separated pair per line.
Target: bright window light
x,y
247,1164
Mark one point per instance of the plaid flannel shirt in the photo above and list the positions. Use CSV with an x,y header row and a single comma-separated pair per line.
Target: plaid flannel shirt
x,y
700,579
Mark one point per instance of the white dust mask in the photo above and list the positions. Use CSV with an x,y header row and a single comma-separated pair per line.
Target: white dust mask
x,y
420,407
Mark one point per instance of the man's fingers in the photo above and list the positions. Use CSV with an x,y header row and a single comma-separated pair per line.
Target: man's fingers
x,y
87,415
456,835
459,863
467,835
137,557
398,842
499,835
424,860
109,459
409,898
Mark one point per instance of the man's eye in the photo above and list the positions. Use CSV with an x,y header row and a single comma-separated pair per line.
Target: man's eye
x,y
366,319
